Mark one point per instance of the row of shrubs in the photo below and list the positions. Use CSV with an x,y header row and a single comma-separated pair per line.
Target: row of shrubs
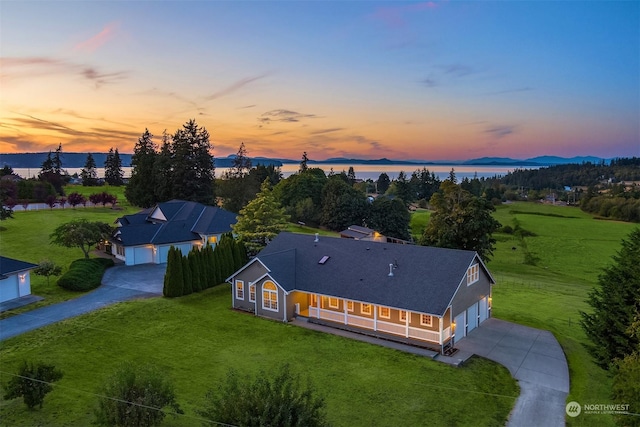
x,y
84,274
202,268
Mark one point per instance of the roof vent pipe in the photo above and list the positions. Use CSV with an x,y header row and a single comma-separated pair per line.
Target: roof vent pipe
x,y
390,270
317,238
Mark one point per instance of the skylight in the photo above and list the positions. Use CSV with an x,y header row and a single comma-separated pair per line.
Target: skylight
x,y
324,259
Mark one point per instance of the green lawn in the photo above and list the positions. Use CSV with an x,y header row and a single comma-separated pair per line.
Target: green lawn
x,y
26,237
571,248
196,339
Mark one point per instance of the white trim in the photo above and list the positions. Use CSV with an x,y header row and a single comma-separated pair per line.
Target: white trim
x,y
473,274
337,306
228,279
422,323
384,307
252,285
239,289
264,307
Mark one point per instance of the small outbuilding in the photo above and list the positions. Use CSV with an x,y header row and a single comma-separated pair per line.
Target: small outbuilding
x,y
15,279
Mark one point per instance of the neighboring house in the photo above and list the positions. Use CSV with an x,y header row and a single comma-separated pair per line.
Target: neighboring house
x,y
415,294
145,237
15,280
358,232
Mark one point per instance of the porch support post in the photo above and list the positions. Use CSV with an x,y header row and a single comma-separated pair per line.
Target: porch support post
x,y
344,303
318,311
406,324
375,317
440,322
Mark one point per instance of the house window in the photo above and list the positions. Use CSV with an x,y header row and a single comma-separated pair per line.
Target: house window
x,y
365,308
350,306
334,303
473,274
314,300
120,250
213,240
252,292
425,320
269,296
384,312
239,289
403,316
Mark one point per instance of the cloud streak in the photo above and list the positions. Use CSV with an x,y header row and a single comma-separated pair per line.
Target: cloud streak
x,y
500,131
235,87
95,42
285,116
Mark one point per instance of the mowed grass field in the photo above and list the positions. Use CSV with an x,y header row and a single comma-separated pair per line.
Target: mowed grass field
x,y
26,237
570,249
196,339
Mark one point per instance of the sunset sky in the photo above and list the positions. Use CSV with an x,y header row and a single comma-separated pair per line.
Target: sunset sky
x,y
404,80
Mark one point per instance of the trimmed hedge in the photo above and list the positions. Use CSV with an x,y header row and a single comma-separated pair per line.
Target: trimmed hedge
x,y
84,274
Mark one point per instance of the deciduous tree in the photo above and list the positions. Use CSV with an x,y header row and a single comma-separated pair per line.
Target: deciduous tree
x,y
32,382
80,233
460,221
47,268
390,217
342,205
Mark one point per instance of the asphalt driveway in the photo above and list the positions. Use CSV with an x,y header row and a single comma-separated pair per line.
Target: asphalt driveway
x,y
119,283
534,357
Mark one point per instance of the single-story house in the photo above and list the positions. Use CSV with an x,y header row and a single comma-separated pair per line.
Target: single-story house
x,y
15,280
145,237
419,295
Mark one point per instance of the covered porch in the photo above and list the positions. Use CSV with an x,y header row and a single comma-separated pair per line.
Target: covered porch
x,y
381,321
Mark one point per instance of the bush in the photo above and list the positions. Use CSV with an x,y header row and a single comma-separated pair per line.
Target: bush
x,y
136,396
84,274
278,401
32,383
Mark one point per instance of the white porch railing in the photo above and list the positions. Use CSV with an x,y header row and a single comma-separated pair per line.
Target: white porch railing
x,y
379,325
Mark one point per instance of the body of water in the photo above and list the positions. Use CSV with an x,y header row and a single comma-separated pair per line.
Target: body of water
x,y
362,171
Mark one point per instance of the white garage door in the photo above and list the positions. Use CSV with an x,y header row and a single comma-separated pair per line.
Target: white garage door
x,y
142,255
483,309
9,289
472,317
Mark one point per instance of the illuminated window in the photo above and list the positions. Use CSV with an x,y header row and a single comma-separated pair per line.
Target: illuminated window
x,y
334,303
384,312
239,289
473,274
269,296
403,316
350,306
425,320
213,239
252,292
365,308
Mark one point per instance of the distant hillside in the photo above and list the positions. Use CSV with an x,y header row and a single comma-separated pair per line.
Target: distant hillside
x,y
78,160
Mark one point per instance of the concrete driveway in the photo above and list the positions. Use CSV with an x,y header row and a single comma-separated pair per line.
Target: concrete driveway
x,y
119,283
534,357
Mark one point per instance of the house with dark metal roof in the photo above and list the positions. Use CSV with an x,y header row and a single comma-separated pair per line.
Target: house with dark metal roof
x,y
419,295
145,237
15,279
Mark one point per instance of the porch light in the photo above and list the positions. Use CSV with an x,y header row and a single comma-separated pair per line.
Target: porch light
x,y
22,277
453,326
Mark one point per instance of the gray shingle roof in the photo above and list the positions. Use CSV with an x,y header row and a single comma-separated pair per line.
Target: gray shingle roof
x,y
185,222
424,279
10,265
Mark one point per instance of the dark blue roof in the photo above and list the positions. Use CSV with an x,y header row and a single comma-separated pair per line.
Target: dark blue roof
x,y
10,266
425,279
183,221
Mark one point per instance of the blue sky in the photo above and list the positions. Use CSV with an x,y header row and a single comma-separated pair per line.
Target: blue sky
x,y
421,80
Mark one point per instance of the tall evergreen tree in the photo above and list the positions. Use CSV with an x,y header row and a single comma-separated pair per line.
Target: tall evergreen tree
x,y
303,163
141,188
173,277
89,173
241,163
193,169
52,172
261,220
342,205
382,185
187,275
194,263
615,302
162,168
113,174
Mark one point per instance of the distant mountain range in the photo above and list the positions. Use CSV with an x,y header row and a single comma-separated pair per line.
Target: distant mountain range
x,y
78,160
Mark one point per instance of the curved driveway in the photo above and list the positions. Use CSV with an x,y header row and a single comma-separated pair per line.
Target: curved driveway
x,y
534,357
119,283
